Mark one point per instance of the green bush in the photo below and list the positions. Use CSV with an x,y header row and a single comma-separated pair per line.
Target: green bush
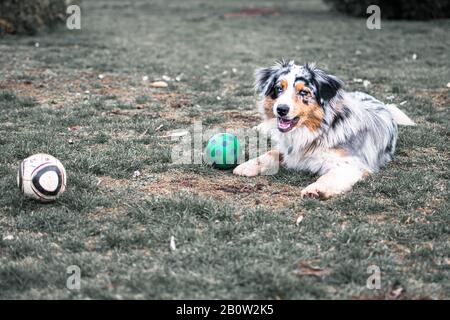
x,y
395,9
31,16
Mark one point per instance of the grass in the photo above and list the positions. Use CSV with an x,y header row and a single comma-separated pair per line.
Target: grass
x,y
235,237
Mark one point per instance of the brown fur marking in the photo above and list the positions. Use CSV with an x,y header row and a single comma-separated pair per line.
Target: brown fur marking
x,y
310,114
340,152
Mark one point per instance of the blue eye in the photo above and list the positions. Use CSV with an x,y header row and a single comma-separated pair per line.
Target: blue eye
x,y
303,93
278,89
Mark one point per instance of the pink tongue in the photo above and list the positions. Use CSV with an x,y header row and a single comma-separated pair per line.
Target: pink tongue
x,y
284,124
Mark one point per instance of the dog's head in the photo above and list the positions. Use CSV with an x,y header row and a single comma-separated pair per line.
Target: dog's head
x,y
296,95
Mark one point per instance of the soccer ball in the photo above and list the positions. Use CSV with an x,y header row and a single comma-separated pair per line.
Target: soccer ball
x,y
223,151
41,177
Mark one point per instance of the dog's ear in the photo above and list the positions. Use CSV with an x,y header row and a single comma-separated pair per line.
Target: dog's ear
x,y
265,79
327,85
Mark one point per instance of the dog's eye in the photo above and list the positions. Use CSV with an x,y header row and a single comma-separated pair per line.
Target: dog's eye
x,y
303,93
278,89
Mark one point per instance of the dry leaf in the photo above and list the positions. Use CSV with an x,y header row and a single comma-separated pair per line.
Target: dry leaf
x,y
396,293
159,84
177,134
74,128
305,269
299,219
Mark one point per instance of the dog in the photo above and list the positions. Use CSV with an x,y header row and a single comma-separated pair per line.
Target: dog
x,y
319,127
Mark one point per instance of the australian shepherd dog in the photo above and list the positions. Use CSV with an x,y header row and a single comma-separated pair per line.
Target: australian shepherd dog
x,y
319,127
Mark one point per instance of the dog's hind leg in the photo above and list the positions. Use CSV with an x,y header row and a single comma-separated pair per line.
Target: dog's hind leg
x,y
266,164
336,181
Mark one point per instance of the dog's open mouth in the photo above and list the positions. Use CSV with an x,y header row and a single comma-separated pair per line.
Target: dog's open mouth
x,y
285,125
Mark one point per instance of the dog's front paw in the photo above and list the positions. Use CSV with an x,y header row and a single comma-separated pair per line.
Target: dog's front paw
x,y
318,191
247,169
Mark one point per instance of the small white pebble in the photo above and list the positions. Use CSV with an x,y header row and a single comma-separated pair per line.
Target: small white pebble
x,y
414,56
36,44
100,76
358,52
357,80
403,103
8,237
390,97
87,92
218,98
136,174
234,70
145,78
366,83
78,94
225,72
448,85
173,246
166,78
299,219
206,66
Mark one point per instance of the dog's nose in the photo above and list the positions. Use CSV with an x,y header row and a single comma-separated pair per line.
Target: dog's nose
x,y
282,110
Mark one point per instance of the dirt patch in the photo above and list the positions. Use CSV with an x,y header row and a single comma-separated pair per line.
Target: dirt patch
x,y
105,212
240,119
252,192
50,87
439,97
106,182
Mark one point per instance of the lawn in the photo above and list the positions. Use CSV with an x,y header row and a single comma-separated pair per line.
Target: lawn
x,y
235,237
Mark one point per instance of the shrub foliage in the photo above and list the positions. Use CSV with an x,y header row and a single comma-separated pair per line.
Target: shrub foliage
x,y
30,16
395,9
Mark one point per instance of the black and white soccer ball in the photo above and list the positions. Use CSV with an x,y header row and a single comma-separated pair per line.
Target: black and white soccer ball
x,y
42,177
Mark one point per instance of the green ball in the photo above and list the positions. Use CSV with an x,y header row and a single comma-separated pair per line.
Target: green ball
x,y
223,151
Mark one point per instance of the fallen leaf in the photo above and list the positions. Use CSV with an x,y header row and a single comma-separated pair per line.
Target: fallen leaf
x,y
396,293
74,128
159,84
305,269
299,219
177,134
